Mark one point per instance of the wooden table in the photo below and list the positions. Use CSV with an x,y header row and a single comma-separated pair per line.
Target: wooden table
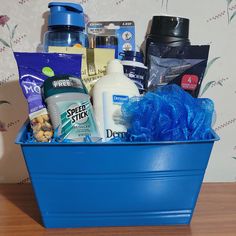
x,y
214,215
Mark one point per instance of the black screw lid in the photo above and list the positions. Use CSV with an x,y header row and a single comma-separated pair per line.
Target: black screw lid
x,y
170,26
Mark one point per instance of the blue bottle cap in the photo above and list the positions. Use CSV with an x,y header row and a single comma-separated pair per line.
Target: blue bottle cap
x,y
132,56
66,14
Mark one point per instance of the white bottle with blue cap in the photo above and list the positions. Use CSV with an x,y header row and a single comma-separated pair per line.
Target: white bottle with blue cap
x,y
66,26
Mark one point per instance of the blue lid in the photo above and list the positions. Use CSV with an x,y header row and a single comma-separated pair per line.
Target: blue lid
x,y
132,56
69,14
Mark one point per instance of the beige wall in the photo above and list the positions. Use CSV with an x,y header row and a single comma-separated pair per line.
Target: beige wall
x,y
210,23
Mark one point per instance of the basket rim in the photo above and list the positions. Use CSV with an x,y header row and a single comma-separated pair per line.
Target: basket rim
x,y
22,131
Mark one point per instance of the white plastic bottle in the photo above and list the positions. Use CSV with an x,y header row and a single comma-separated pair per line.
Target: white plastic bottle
x,y
109,93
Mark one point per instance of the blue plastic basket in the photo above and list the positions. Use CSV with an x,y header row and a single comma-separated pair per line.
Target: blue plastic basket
x,y
81,185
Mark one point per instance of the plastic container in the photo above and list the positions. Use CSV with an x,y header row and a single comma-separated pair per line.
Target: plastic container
x,y
168,30
116,184
109,93
134,68
66,27
70,108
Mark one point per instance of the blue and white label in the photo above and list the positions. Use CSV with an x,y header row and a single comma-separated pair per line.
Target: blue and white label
x,y
119,99
113,125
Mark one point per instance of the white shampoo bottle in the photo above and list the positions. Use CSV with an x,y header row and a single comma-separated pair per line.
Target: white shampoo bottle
x,y
109,93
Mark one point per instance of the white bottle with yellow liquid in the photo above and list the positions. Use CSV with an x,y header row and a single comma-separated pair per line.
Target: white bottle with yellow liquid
x,y
109,93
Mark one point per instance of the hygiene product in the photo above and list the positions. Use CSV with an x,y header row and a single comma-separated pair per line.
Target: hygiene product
x,y
171,59
184,66
168,114
66,26
110,41
170,30
134,68
119,35
70,108
109,93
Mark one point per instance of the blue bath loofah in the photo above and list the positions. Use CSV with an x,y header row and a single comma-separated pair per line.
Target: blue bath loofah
x,y
168,114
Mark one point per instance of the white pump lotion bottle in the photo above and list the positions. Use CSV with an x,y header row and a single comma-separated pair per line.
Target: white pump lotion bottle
x,y
109,93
